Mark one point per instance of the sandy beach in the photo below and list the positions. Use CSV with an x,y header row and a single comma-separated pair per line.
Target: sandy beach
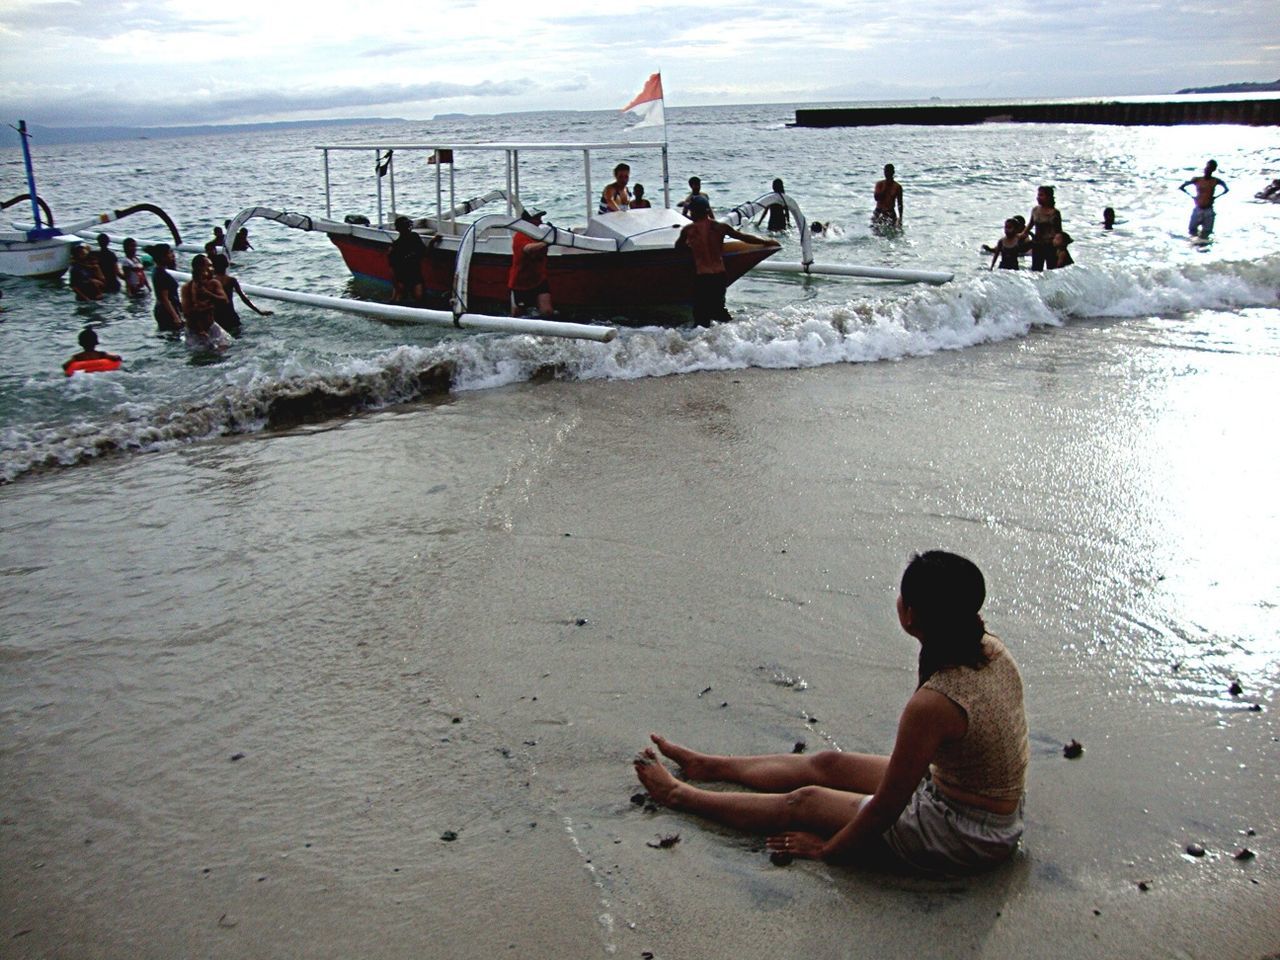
x,y
371,688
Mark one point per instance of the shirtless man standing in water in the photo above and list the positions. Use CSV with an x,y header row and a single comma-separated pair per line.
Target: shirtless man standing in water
x,y
1206,192
888,212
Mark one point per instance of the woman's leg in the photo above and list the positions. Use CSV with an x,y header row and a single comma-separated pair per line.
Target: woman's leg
x,y
818,810
781,772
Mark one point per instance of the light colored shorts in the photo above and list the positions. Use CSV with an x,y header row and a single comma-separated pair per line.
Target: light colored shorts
x,y
1201,221
940,835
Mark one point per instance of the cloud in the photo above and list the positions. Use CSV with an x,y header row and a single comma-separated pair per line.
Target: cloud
x,y
74,107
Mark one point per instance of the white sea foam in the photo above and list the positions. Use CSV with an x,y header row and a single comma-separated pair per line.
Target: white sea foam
x,y
982,309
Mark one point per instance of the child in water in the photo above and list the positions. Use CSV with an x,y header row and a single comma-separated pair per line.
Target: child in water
x,y
1009,247
1061,256
88,350
948,799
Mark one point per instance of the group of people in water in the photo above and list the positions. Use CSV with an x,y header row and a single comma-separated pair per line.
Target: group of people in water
x,y
202,309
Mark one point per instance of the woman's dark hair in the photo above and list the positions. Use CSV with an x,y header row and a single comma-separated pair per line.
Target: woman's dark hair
x,y
944,592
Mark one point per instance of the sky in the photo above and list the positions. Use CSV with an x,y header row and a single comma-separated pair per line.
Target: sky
x,y
161,63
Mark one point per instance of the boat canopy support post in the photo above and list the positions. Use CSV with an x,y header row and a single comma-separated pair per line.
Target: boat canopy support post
x,y
440,189
328,202
515,174
586,177
391,180
666,176
377,157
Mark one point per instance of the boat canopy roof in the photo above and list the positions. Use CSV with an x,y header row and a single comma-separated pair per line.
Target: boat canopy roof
x,y
442,155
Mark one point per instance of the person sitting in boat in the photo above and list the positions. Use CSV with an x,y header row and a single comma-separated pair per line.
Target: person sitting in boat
x,y
1009,247
948,800
224,313
201,297
704,239
695,190
132,269
616,196
241,242
638,202
89,349
779,215
168,309
405,256
527,278
108,265
85,278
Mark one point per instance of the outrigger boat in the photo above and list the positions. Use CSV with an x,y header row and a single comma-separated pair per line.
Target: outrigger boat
x,y
617,261
43,249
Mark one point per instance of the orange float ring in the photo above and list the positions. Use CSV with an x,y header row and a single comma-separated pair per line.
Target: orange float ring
x,y
101,365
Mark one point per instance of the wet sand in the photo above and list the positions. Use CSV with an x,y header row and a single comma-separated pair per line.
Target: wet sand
x,y
250,686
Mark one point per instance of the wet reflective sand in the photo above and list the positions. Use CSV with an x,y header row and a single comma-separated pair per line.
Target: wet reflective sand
x,y
250,686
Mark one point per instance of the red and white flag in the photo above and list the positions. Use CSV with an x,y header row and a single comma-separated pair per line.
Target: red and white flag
x,y
648,104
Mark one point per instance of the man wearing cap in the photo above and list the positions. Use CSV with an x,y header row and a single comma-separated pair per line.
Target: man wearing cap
x,y
527,278
704,239
405,256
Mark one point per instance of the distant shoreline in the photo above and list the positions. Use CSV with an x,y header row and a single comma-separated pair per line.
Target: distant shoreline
x,y
64,135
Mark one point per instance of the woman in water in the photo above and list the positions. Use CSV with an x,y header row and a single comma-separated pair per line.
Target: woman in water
x,y
1043,225
949,797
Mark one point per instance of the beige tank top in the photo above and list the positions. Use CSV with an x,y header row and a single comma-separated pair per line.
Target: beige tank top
x,y
991,758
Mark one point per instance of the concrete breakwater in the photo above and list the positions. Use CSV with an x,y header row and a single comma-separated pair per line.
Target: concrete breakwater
x,y
1262,111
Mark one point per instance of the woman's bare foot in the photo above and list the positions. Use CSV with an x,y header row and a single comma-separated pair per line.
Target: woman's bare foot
x,y
694,764
656,778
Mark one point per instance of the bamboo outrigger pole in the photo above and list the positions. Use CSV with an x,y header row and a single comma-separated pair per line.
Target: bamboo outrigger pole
x,y
442,318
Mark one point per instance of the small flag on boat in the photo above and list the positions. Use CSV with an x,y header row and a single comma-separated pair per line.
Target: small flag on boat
x,y
648,103
440,156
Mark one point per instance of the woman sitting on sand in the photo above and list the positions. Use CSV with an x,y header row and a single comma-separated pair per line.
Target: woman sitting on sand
x,y
948,799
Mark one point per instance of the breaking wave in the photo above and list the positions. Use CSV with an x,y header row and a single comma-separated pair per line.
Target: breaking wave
x,y
983,309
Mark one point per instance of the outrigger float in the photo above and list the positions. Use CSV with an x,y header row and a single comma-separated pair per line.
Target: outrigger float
x,y
619,262
44,250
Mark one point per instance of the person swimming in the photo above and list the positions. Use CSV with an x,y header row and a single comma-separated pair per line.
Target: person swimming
x,y
89,351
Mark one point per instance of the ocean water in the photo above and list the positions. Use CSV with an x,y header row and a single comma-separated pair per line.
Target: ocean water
x,y
959,185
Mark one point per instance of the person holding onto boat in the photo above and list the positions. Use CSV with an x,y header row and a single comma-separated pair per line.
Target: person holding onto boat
x,y
779,215
1202,214
241,242
168,308
406,255
615,196
1043,225
695,190
89,351
202,297
704,239
638,202
108,265
224,312
527,278
947,800
1009,247
85,277
132,269
888,195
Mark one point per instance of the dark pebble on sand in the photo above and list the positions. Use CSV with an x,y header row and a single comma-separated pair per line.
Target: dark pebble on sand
x,y
581,621
457,719
704,691
1073,749
1144,886
646,955
448,836
639,798
1235,689
780,859
1251,832
1244,853
1255,708
650,808
800,747
1195,849
724,704
237,756
205,870
1097,913
665,843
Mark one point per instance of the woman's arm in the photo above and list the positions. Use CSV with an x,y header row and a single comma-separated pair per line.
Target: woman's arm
x,y
235,285
928,720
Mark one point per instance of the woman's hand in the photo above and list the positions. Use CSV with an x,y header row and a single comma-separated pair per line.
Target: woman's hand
x,y
797,844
